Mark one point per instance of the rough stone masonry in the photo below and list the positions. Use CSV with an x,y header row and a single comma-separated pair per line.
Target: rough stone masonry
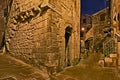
x,y
44,33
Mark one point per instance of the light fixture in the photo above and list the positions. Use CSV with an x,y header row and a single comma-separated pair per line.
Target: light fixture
x,y
82,28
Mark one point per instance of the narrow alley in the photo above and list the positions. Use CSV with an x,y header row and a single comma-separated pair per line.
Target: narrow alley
x,y
59,39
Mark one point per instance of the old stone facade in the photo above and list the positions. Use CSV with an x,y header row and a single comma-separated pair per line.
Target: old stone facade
x,y
100,24
104,36
89,40
115,22
85,24
44,33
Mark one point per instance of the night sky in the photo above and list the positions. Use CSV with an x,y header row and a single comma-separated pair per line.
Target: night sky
x,y
92,6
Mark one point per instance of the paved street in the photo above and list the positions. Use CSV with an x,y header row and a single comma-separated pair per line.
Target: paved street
x,y
89,69
13,69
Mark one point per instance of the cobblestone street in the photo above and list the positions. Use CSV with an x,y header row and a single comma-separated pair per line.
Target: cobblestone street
x,y
88,69
13,69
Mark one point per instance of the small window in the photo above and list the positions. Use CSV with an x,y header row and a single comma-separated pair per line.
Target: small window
x,y
81,34
5,12
102,17
84,20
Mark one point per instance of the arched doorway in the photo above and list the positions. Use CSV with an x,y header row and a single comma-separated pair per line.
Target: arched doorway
x,y
68,32
89,44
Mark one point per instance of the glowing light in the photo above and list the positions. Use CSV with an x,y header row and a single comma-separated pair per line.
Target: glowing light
x,y
83,29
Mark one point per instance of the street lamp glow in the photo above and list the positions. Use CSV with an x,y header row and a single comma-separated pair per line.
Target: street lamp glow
x,y
82,29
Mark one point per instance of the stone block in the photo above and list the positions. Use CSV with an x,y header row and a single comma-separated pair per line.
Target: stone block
x,y
107,59
113,55
108,62
114,63
101,63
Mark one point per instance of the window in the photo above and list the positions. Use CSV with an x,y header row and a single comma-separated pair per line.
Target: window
x,y
81,34
5,12
84,20
102,17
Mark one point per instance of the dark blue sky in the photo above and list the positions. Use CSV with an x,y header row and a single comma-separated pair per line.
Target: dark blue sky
x,y
92,6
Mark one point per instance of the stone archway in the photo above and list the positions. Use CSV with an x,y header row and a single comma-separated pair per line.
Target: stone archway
x,y
68,32
89,44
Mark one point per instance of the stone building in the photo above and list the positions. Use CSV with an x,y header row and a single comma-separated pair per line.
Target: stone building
x,y
85,24
44,33
85,27
101,27
115,23
89,40
104,34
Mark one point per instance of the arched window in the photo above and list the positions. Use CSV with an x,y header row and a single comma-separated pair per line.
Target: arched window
x,y
68,32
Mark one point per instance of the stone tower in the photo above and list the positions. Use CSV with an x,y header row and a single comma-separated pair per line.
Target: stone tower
x,y
44,33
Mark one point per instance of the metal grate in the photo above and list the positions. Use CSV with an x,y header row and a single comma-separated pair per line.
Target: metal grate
x,y
109,47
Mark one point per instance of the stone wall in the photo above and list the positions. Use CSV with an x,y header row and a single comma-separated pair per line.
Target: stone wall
x,y
2,21
36,32
100,21
115,12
